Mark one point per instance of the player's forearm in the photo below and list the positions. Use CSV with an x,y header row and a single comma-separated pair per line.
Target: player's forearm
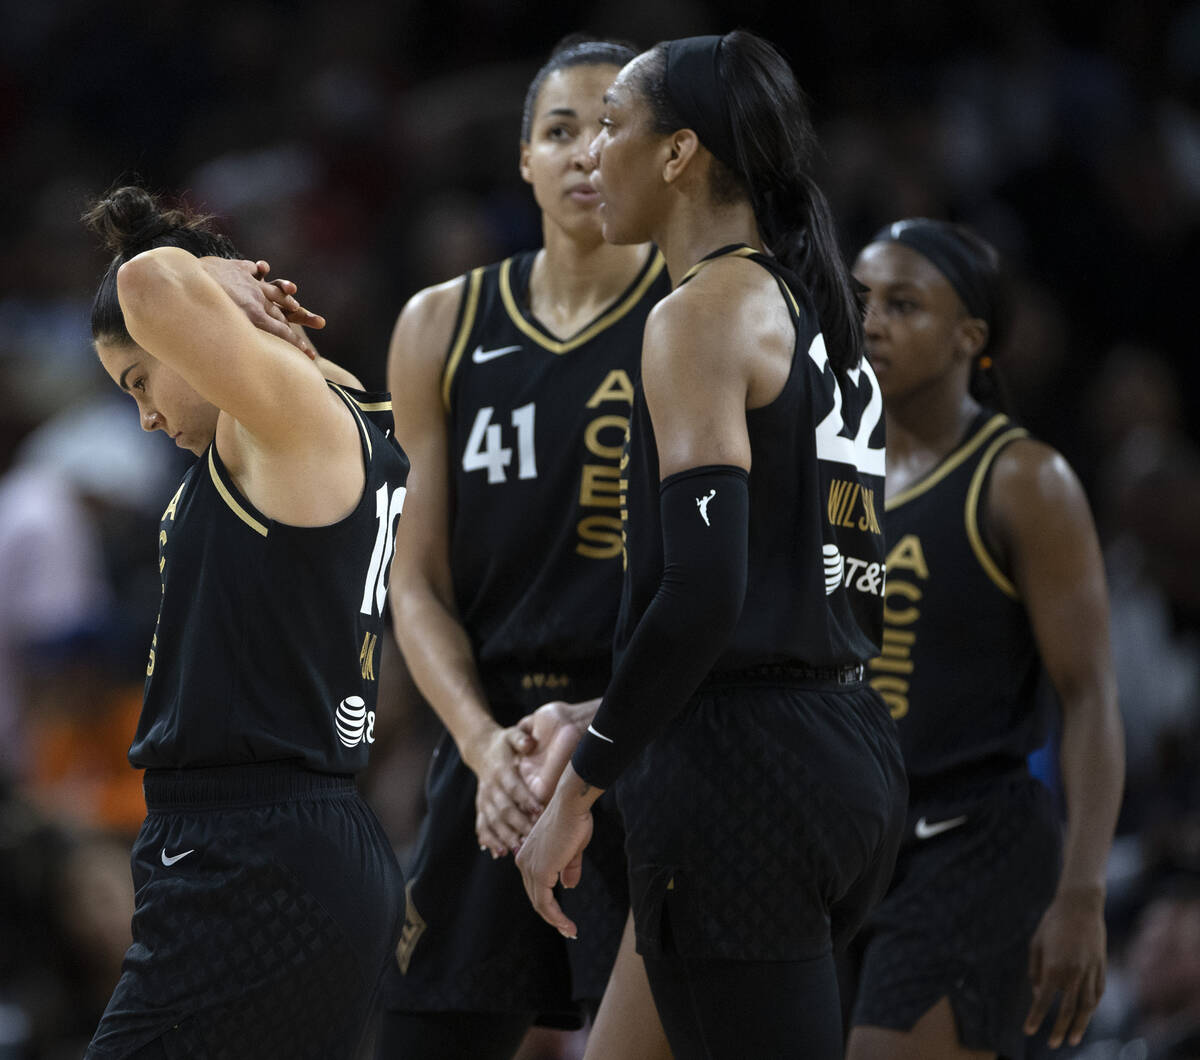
x,y
439,657
684,629
1092,761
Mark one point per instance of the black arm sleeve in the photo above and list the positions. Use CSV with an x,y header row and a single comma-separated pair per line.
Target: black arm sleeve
x,y
705,515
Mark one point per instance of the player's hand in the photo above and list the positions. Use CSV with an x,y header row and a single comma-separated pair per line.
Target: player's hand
x,y
555,732
1067,959
553,851
271,306
505,808
284,297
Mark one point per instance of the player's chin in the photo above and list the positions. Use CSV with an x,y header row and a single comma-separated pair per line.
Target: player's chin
x,y
584,223
616,233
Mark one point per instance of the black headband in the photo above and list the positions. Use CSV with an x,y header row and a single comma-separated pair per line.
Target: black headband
x,y
693,86
952,257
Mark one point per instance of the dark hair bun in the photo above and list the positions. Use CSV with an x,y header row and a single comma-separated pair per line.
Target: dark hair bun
x,y
127,219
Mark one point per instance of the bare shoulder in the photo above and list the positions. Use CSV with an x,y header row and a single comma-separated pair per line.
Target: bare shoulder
x,y
1029,470
1032,486
335,373
425,325
707,318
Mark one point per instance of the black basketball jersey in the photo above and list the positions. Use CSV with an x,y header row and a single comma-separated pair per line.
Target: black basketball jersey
x,y
959,664
816,551
537,427
267,642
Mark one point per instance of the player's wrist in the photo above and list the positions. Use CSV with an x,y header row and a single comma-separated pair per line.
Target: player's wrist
x,y
574,794
1085,895
473,746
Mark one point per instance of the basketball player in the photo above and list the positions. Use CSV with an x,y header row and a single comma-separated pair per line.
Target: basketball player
x,y
758,775
994,571
266,892
514,385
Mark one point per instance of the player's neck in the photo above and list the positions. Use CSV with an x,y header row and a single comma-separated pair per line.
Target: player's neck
x,y
694,230
921,432
572,283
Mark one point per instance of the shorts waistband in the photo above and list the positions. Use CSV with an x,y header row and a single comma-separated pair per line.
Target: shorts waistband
x,y
534,682
792,675
264,782
966,779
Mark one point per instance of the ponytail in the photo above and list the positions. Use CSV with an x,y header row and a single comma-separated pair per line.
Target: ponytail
x,y
741,94
798,227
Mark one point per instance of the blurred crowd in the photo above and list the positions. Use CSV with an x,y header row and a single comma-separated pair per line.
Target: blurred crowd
x,y
369,148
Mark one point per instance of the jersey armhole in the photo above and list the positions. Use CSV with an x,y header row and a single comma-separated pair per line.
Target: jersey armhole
x,y
466,321
975,507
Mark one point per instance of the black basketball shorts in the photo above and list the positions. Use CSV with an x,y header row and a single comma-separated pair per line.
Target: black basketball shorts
x,y
764,820
974,875
267,902
472,941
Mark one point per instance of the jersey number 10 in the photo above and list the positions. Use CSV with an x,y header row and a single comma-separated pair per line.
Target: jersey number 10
x,y
387,511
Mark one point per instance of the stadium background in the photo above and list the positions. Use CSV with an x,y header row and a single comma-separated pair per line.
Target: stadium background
x,y
369,148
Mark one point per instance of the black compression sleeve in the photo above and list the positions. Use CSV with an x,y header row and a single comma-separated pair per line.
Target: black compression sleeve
x,y
705,515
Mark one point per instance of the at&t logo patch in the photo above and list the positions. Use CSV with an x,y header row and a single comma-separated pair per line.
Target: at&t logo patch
x,y
354,722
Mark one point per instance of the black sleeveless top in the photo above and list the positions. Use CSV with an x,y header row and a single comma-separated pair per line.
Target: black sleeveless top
x,y
959,665
267,641
537,426
816,552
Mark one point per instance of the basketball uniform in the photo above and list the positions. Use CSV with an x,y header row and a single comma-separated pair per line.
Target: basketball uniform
x,y
266,894
762,822
958,668
537,426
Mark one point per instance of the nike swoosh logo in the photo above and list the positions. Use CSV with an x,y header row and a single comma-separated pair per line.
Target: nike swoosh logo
x,y
594,732
925,830
481,356
169,861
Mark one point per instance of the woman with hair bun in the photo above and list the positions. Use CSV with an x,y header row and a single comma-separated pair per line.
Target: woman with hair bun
x,y
759,776
267,896
993,573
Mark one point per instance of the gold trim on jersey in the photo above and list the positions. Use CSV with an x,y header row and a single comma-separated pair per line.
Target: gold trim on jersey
x,y
743,252
230,499
366,406
353,406
606,320
947,465
971,513
470,307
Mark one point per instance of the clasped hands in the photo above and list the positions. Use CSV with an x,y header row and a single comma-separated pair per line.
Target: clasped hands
x,y
521,805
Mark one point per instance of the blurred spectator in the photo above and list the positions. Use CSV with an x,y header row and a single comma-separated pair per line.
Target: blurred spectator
x,y
1145,475
78,484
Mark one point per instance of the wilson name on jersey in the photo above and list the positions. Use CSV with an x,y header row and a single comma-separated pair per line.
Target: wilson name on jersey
x,y
267,641
816,551
537,426
958,666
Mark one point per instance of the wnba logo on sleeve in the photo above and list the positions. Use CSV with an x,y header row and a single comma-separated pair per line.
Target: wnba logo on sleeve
x,y
354,722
